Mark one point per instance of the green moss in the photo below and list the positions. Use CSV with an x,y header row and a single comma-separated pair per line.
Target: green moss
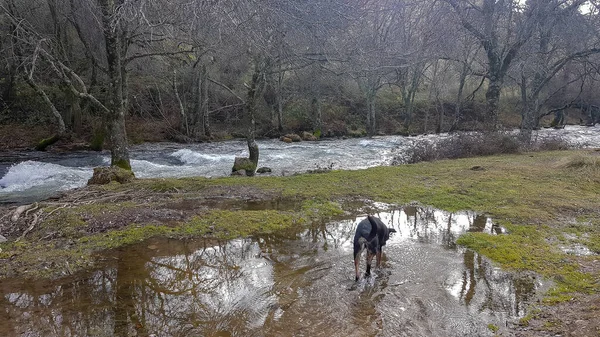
x,y
587,231
44,143
122,163
321,209
527,248
593,243
493,328
531,314
129,235
224,224
551,324
103,208
245,164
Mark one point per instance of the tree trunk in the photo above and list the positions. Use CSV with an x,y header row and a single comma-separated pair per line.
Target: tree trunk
x,y
253,92
204,100
408,94
72,114
317,116
193,118
279,114
370,100
458,105
528,124
492,97
183,122
441,113
279,96
115,117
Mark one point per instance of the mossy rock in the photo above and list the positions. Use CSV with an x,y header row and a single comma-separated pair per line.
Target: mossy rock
x,y
242,163
264,170
238,173
308,136
106,175
285,139
294,137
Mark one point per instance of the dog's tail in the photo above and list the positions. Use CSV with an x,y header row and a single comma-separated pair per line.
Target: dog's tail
x,y
373,232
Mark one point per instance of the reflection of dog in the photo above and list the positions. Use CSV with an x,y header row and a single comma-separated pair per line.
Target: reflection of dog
x,y
372,234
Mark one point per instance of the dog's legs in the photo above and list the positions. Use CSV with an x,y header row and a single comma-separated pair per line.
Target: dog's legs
x,y
369,258
378,263
356,263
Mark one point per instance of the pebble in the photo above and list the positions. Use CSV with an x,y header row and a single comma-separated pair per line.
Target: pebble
x,y
3,238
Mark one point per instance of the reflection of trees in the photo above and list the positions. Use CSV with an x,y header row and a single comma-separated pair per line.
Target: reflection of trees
x,y
429,225
36,307
196,292
479,223
317,236
469,280
124,307
7,328
334,235
496,289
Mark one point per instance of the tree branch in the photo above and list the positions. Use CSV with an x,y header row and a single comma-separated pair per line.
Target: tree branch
x,y
137,56
83,93
227,88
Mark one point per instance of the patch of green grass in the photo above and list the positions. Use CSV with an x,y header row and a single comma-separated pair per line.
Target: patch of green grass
x,y
532,313
527,248
223,224
587,231
551,324
593,243
321,208
131,234
586,166
493,328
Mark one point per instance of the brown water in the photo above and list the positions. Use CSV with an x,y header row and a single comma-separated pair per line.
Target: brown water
x,y
298,283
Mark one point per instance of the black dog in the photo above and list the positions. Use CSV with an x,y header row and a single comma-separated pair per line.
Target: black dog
x,y
372,234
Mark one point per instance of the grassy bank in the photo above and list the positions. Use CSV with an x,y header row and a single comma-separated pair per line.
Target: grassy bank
x,y
545,200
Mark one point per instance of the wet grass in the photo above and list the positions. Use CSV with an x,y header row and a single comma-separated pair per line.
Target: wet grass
x,y
535,196
536,187
527,248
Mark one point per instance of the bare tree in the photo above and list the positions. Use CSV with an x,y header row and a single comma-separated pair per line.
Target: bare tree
x,y
502,28
551,51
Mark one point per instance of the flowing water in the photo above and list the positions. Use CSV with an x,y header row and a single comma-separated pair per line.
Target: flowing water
x,y
296,283
32,176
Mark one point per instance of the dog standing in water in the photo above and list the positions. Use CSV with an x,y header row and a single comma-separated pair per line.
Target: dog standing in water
x,y
372,234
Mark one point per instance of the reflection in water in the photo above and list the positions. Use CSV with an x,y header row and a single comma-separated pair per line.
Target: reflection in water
x,y
293,283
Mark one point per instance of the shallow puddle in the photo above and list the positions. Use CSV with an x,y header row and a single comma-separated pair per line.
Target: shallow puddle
x,y
294,283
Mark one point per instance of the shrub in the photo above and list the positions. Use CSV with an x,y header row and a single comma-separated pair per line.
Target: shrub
x,y
473,144
551,143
